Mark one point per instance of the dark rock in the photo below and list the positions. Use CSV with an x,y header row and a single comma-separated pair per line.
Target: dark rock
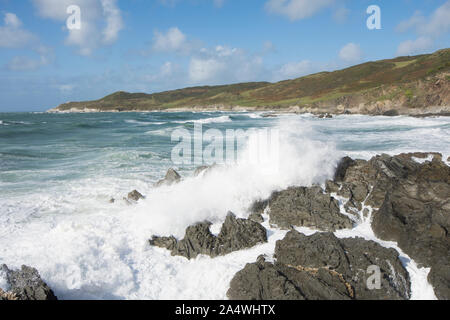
x,y
171,177
391,113
112,200
236,234
257,210
331,187
26,284
307,207
416,214
135,196
342,167
257,217
262,281
321,267
411,206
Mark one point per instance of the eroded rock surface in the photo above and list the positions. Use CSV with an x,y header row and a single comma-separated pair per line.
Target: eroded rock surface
x,y
26,284
171,177
320,267
305,207
236,234
411,198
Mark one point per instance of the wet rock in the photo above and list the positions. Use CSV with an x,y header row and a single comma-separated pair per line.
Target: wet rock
x,y
171,177
257,217
307,207
391,113
320,267
259,206
331,186
202,170
342,167
26,284
135,196
262,281
235,234
416,214
411,206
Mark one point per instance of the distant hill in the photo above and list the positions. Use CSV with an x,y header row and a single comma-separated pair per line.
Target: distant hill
x,y
406,85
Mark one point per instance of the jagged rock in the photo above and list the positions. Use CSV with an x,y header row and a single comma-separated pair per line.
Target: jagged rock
x,y
257,217
26,284
236,234
135,196
199,170
412,206
322,266
262,281
342,168
171,177
308,207
257,210
112,200
202,170
331,186
416,214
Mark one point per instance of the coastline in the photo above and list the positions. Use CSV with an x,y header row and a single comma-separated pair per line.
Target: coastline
x,y
433,111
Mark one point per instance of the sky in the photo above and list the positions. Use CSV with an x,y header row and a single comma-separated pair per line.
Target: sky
x,y
50,55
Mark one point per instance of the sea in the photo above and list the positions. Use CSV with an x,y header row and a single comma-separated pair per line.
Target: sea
x,y
59,171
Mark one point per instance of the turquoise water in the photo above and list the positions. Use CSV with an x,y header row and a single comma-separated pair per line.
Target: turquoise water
x,y
59,171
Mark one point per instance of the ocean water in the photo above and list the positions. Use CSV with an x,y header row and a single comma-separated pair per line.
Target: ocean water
x,y
59,171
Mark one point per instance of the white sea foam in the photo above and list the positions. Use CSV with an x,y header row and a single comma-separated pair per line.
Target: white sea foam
x,y
221,119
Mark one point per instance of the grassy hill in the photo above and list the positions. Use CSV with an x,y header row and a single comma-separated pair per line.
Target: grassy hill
x,y
401,83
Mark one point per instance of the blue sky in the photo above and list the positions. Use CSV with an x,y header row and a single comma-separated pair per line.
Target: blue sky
x,y
157,45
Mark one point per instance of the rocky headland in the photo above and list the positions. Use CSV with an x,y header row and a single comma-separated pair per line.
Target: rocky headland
x,y
413,85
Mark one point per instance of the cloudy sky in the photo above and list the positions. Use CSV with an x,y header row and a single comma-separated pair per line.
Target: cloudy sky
x,y
156,45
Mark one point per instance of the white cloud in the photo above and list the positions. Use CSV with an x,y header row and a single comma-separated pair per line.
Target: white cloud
x,y
297,9
114,22
11,20
101,21
205,70
411,47
25,63
294,70
428,29
435,25
224,64
351,53
172,41
12,35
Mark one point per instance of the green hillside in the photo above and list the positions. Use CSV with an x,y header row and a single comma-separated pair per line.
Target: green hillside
x,y
394,79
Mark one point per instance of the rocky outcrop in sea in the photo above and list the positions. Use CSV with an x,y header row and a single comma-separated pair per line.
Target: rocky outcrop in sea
x,y
409,197
25,284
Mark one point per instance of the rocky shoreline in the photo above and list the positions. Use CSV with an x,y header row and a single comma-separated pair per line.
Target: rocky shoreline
x,y
405,198
437,111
